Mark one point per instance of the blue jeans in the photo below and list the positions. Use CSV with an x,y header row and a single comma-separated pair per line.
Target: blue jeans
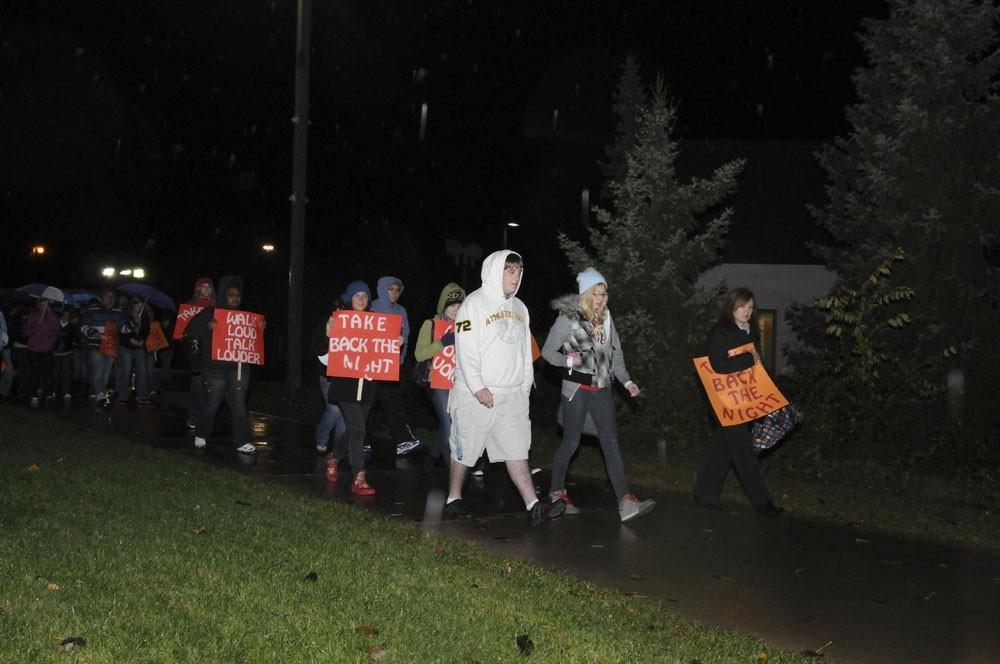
x,y
132,357
441,448
221,384
332,419
100,371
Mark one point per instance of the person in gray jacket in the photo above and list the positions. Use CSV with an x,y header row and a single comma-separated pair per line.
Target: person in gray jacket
x,y
584,344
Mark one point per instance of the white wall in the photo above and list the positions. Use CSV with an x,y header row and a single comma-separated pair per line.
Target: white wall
x,y
775,287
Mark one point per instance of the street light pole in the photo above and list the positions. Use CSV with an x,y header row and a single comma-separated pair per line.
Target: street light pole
x,y
510,223
300,123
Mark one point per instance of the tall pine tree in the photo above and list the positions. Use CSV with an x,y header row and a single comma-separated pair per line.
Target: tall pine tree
x,y
914,208
652,241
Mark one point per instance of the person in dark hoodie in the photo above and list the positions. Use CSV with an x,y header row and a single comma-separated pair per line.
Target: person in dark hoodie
x,y
389,396
221,380
354,396
451,298
204,296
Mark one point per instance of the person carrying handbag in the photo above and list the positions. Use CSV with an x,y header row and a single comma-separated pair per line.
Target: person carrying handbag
x,y
732,445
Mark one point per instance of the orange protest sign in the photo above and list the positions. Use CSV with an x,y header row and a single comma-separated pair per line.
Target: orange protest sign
x,y
156,340
739,397
109,339
536,352
364,344
184,315
443,364
238,336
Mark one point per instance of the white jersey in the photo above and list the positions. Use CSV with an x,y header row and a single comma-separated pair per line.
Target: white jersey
x,y
492,336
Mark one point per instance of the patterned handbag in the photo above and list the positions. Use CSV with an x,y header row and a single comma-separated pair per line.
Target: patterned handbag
x,y
774,426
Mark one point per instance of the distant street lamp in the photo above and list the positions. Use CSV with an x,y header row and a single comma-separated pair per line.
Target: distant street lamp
x,y
138,273
509,224
108,272
267,247
38,250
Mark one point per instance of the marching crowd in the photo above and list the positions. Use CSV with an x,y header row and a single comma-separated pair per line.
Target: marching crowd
x,y
103,350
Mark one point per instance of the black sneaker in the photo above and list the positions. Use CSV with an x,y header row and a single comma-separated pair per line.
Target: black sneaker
x,y
456,510
544,510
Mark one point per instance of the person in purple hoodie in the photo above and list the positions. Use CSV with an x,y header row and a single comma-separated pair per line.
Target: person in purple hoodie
x,y
42,330
389,396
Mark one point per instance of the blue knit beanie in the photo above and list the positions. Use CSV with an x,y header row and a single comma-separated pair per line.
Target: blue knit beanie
x,y
588,278
353,288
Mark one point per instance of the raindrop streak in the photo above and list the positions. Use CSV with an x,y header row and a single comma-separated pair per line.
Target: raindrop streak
x,y
423,121
585,208
555,120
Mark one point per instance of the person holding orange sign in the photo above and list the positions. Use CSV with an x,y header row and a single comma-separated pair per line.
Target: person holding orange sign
x,y
732,445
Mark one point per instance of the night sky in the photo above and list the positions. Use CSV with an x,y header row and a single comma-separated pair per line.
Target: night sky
x,y
158,133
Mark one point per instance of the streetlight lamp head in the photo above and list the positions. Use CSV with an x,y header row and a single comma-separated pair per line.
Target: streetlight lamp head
x,y
267,247
38,250
139,273
108,272
126,273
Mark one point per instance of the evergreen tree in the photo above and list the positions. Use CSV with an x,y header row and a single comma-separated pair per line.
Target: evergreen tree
x,y
652,242
913,195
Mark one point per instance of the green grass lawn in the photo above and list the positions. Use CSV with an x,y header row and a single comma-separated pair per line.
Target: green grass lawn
x,y
150,556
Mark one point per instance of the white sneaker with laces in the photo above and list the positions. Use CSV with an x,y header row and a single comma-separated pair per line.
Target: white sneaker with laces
x,y
408,447
246,448
631,507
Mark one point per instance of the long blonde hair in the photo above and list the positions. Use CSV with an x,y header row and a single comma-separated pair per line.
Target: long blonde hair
x,y
587,299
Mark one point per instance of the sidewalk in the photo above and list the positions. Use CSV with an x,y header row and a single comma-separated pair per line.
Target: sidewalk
x,y
796,583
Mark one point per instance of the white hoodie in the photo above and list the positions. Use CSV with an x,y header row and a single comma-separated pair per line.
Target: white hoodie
x,y
492,335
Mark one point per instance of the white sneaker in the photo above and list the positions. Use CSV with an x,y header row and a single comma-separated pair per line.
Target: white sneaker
x,y
630,507
246,448
200,443
408,447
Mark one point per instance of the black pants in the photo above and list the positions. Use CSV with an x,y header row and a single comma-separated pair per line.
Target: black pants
x,y
352,443
42,378
390,398
731,446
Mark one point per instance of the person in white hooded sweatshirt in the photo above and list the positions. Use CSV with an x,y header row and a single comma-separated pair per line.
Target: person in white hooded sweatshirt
x,y
493,378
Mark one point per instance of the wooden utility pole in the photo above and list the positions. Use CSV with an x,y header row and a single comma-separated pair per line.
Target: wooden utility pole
x,y
300,124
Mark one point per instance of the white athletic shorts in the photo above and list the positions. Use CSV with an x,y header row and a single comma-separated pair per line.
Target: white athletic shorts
x,y
503,430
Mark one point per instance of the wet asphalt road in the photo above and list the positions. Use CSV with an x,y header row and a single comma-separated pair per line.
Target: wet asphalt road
x,y
797,583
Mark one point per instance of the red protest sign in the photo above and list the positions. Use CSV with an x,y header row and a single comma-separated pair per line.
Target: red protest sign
x,y
364,344
238,336
739,397
184,316
443,363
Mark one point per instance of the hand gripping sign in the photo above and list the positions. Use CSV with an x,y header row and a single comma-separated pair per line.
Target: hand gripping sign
x,y
364,344
742,396
443,363
238,336
184,315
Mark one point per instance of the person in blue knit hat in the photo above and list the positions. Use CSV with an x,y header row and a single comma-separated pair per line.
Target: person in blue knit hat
x,y
583,343
354,397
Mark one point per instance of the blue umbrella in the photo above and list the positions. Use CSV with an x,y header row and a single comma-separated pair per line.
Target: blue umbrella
x,y
80,299
41,290
149,294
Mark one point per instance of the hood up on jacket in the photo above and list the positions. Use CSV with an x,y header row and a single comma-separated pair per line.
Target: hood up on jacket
x,y
452,293
492,273
225,283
